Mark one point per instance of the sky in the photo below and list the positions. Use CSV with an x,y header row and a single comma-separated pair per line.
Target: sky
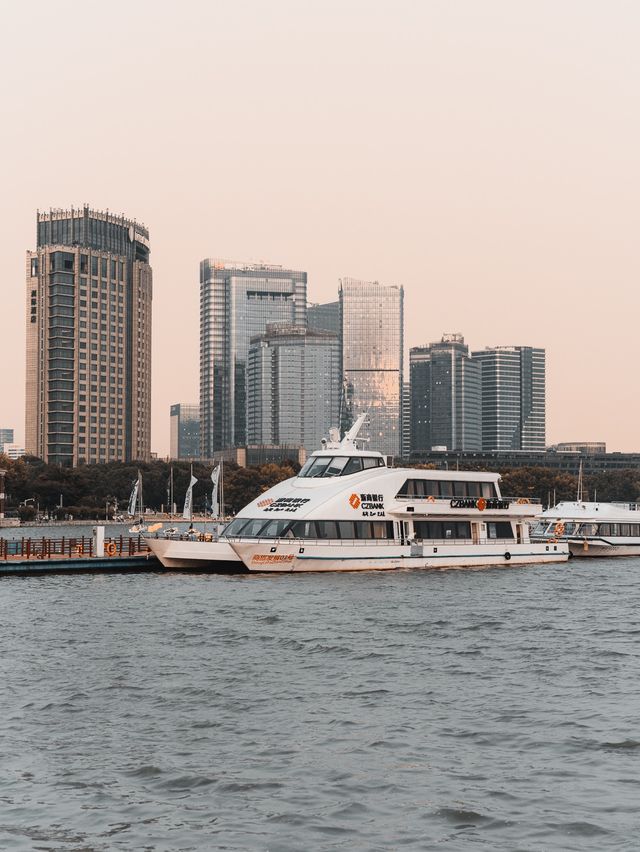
x,y
481,153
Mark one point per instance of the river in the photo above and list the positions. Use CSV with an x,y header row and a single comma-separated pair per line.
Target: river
x,y
461,710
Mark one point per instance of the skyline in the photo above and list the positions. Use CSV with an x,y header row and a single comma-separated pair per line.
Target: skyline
x,y
490,161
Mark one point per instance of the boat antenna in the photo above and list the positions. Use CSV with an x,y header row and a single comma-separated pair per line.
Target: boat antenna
x,y
351,436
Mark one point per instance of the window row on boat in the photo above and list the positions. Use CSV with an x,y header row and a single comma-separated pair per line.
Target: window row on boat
x,y
353,530
325,466
427,530
417,488
570,528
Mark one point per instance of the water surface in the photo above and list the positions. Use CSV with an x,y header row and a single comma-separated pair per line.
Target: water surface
x,y
462,710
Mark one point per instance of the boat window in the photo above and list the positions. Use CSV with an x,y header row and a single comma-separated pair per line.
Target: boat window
x,y
499,529
604,529
474,489
305,467
442,529
371,462
275,529
253,528
235,526
354,465
336,466
624,529
304,529
459,489
346,529
488,490
446,489
321,466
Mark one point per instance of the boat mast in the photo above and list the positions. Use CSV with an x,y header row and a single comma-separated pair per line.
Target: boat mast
x,y
579,497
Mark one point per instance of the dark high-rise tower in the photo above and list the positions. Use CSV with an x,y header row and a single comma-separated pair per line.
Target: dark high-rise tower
x,y
88,379
445,396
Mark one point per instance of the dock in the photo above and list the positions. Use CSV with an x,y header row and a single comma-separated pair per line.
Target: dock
x,y
68,555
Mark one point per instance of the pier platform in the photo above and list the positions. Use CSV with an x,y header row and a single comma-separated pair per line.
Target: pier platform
x,y
29,556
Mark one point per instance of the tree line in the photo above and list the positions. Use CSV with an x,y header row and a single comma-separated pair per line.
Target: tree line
x,y
90,491
93,491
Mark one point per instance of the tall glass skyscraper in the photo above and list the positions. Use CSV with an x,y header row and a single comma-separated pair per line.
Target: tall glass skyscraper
x,y
237,301
293,386
513,398
446,396
372,328
88,313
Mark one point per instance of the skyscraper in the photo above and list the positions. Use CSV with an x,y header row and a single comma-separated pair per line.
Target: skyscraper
x,y
371,321
513,398
446,396
184,433
88,300
237,301
293,386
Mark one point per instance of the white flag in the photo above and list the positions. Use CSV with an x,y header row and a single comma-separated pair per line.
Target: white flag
x,y
215,476
133,499
188,500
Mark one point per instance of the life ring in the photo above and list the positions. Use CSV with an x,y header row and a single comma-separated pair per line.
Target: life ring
x,y
507,556
110,548
523,501
559,528
481,504
431,499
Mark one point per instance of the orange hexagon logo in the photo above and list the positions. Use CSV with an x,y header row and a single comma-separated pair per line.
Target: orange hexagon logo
x,y
354,501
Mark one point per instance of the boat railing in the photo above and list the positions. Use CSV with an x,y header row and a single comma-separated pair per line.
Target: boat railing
x,y
630,507
518,501
375,542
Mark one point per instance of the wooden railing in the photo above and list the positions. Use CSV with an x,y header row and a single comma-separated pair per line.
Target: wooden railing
x,y
71,548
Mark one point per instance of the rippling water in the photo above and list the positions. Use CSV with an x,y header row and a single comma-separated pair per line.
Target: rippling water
x,y
495,710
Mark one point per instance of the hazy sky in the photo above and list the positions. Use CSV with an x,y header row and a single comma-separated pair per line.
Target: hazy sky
x,y
485,154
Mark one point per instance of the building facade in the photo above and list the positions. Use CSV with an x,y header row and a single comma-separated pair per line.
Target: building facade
x,y
293,386
88,306
237,302
184,431
6,436
513,398
446,396
324,317
371,330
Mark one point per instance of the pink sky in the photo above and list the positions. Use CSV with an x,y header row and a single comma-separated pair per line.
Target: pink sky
x,y
482,153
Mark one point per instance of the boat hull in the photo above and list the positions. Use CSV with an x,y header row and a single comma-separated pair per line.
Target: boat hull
x,y
215,557
599,548
299,556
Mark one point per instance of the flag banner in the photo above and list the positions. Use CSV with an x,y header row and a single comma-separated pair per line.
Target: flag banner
x,y
134,498
215,477
187,514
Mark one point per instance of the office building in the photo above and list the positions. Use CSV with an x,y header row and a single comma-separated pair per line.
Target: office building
x,y
88,306
184,431
513,398
6,436
237,302
11,451
293,386
324,317
371,327
446,396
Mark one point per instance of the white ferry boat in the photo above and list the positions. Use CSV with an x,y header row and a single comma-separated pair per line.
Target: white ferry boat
x,y
592,529
347,511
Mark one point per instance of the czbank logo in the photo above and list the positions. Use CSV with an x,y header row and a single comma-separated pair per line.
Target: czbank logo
x,y
354,501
